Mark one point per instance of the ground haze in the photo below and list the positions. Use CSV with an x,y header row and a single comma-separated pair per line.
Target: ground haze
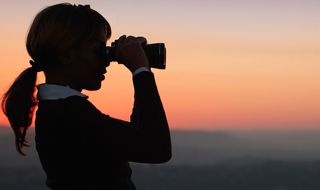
x,y
226,160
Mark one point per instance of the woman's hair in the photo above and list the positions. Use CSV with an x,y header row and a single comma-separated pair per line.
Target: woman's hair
x,y
55,30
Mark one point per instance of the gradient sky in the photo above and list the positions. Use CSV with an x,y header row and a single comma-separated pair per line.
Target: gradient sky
x,y
233,64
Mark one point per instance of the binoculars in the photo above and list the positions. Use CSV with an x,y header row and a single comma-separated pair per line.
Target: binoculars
x,y
156,54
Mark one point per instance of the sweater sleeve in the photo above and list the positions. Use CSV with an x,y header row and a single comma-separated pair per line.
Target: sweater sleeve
x,y
145,139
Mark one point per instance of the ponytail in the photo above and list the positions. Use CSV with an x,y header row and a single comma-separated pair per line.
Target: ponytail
x,y
19,103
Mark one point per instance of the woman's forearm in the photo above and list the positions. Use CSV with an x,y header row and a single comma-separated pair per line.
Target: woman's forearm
x,y
151,122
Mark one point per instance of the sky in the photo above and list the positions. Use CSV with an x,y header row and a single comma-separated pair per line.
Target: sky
x,y
232,64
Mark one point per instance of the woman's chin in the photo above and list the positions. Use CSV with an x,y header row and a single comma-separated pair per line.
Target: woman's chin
x,y
94,87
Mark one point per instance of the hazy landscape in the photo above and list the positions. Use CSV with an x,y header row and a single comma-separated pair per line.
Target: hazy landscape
x,y
202,160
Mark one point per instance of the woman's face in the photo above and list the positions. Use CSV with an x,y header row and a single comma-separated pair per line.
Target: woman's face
x,y
88,66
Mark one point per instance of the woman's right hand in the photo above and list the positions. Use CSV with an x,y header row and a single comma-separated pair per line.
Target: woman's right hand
x,y
130,53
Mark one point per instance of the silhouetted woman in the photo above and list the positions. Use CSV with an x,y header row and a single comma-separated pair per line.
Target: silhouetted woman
x,y
80,147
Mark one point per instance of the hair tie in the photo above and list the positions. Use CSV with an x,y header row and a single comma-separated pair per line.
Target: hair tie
x,y
36,66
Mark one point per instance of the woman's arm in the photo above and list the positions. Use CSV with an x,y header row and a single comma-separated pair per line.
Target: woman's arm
x,y
146,139
152,126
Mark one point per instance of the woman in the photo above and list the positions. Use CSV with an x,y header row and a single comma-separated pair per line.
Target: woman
x,y
79,147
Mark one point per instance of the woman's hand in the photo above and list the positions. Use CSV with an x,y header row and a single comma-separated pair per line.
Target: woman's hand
x,y
129,52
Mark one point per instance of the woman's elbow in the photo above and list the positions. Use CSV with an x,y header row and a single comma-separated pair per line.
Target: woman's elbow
x,y
167,157
163,156
158,157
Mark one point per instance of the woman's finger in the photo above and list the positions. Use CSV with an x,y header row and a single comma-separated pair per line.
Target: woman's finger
x,y
120,41
142,39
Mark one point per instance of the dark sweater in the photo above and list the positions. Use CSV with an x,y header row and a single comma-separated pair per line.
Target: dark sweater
x,y
81,148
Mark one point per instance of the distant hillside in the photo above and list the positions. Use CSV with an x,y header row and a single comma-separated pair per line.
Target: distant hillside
x,y
199,147
9,157
203,148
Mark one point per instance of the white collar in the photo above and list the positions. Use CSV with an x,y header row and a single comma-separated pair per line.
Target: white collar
x,y
55,92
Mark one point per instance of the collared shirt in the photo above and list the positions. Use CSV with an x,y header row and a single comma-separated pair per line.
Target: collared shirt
x,y
82,148
55,92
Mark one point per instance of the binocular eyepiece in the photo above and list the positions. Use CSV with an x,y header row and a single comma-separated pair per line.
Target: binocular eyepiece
x,y
156,54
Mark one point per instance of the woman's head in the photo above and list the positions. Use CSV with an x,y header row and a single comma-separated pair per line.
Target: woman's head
x,y
58,28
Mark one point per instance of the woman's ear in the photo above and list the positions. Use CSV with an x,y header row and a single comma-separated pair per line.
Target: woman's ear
x,y
66,57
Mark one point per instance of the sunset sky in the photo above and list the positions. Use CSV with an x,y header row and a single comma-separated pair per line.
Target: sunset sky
x,y
232,64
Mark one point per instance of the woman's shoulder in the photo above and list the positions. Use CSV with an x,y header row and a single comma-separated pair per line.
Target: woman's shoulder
x,y
70,105
71,100
73,111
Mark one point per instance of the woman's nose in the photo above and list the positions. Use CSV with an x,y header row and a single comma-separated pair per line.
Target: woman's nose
x,y
106,63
